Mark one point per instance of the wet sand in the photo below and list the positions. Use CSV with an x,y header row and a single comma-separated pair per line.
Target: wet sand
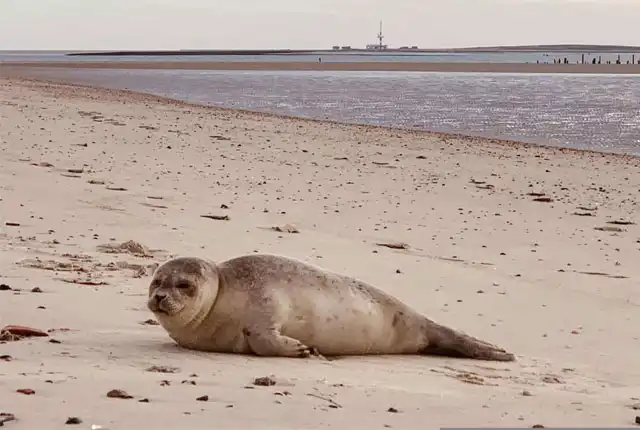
x,y
532,248
13,67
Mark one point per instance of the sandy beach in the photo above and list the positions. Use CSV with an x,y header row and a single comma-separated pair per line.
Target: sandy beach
x,y
535,249
9,67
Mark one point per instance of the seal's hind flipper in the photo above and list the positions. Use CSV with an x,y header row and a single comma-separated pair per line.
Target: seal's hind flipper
x,y
448,342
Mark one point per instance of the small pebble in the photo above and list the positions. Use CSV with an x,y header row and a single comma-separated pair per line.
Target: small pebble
x,y
5,417
119,394
73,420
264,381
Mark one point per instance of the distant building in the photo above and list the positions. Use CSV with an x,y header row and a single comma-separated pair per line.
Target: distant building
x,y
376,46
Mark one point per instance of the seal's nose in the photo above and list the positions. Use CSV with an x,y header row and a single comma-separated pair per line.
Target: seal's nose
x,y
156,298
159,296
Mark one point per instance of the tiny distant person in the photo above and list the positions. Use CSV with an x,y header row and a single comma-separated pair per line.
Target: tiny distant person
x,y
319,59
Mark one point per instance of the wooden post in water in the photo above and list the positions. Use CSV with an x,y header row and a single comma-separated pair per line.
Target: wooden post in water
x,y
633,58
582,58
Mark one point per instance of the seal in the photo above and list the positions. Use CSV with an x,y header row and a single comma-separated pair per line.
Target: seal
x,y
270,305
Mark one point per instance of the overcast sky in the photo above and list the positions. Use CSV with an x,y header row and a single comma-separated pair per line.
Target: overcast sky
x,y
226,24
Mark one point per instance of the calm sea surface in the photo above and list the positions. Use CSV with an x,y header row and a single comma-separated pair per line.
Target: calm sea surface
x,y
599,112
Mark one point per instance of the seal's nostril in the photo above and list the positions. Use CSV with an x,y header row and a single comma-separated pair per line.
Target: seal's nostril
x,y
158,297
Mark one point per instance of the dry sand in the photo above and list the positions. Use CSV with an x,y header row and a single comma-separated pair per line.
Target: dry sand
x,y
85,167
8,67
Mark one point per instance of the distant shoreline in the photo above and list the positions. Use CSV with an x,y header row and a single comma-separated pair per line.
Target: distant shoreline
x,y
8,66
591,49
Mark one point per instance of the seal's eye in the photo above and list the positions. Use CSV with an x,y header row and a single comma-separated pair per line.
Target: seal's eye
x,y
183,285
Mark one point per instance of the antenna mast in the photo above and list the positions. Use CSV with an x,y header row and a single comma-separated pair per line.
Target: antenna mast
x,y
380,36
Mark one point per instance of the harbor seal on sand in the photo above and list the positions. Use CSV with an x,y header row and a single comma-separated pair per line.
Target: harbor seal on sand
x,y
270,305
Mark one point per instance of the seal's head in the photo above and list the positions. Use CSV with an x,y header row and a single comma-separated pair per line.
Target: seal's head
x,y
183,288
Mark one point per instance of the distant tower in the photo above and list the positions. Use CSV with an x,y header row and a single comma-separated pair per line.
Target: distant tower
x,y
380,37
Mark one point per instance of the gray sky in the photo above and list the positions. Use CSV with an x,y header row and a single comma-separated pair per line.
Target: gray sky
x,y
226,24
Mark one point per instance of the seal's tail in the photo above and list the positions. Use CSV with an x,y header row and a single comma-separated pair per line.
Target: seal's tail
x,y
448,342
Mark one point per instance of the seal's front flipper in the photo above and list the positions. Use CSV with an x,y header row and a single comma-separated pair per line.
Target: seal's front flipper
x,y
270,343
446,341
